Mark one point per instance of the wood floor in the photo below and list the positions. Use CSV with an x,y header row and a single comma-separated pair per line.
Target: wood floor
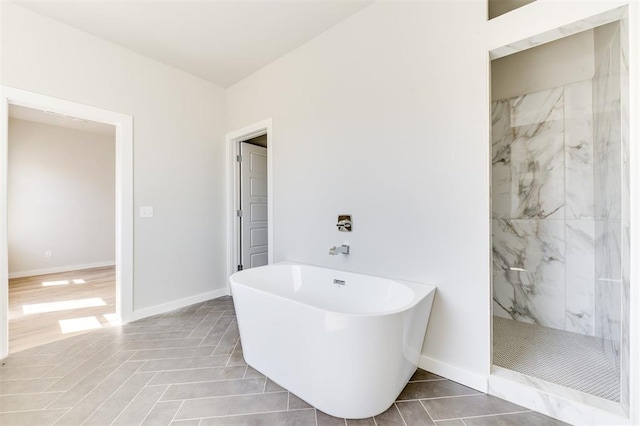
x,y
47,308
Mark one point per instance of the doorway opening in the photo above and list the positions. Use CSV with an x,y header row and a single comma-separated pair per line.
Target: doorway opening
x,y
122,273
559,210
253,199
249,189
61,226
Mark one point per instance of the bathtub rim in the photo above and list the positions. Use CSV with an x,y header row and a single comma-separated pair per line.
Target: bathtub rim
x,y
429,289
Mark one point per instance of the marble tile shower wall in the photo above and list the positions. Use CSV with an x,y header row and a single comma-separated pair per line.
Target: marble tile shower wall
x,y
611,200
625,316
544,208
555,199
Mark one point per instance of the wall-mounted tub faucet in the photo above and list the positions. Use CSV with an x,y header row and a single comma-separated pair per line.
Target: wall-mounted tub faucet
x,y
344,249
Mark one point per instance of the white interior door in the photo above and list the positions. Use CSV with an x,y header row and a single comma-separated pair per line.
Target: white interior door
x,y
253,205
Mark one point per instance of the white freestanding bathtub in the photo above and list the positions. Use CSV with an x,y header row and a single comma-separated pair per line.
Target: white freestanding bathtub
x,y
346,343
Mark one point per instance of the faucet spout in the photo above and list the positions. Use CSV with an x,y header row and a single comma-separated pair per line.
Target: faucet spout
x,y
344,249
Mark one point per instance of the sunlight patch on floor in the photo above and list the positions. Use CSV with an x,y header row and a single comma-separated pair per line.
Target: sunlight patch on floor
x,y
79,324
38,308
113,319
51,283
62,282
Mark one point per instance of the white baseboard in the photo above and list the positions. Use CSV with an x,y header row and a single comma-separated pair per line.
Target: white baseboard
x,y
464,377
177,304
58,269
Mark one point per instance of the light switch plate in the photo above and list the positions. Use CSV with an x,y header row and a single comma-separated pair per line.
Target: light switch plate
x,y
146,211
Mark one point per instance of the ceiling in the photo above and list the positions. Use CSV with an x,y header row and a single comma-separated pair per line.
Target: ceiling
x,y
222,41
61,120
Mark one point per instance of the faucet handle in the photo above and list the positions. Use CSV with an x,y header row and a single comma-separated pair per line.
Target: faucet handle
x,y
344,223
344,249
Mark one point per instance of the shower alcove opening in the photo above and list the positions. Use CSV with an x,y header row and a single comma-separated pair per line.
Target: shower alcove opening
x,y
560,216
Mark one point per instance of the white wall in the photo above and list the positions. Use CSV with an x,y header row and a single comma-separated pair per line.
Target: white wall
x,y
61,197
564,61
178,145
374,119
386,117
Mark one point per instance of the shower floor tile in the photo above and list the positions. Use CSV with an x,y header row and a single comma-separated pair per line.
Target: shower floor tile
x,y
561,357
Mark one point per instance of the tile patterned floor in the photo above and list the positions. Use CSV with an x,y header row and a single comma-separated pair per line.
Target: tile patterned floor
x,y
557,356
186,368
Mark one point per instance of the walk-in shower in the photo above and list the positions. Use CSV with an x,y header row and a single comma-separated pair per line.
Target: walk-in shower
x,y
560,191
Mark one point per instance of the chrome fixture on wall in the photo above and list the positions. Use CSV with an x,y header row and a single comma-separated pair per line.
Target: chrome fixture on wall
x,y
344,249
344,223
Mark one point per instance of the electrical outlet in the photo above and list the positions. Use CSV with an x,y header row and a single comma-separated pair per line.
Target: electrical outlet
x,y
47,253
146,211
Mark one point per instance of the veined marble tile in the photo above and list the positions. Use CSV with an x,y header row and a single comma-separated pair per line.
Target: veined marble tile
x,y
608,250
625,319
499,311
607,179
528,156
607,140
578,100
580,277
608,291
608,324
579,167
625,121
537,156
537,174
558,401
559,154
500,121
608,175
501,139
625,325
608,200
539,109
528,270
501,199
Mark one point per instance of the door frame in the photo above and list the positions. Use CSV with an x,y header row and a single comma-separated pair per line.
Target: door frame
x,y
568,406
124,194
233,140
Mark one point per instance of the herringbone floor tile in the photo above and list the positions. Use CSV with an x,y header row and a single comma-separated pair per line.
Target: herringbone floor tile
x,y
186,368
